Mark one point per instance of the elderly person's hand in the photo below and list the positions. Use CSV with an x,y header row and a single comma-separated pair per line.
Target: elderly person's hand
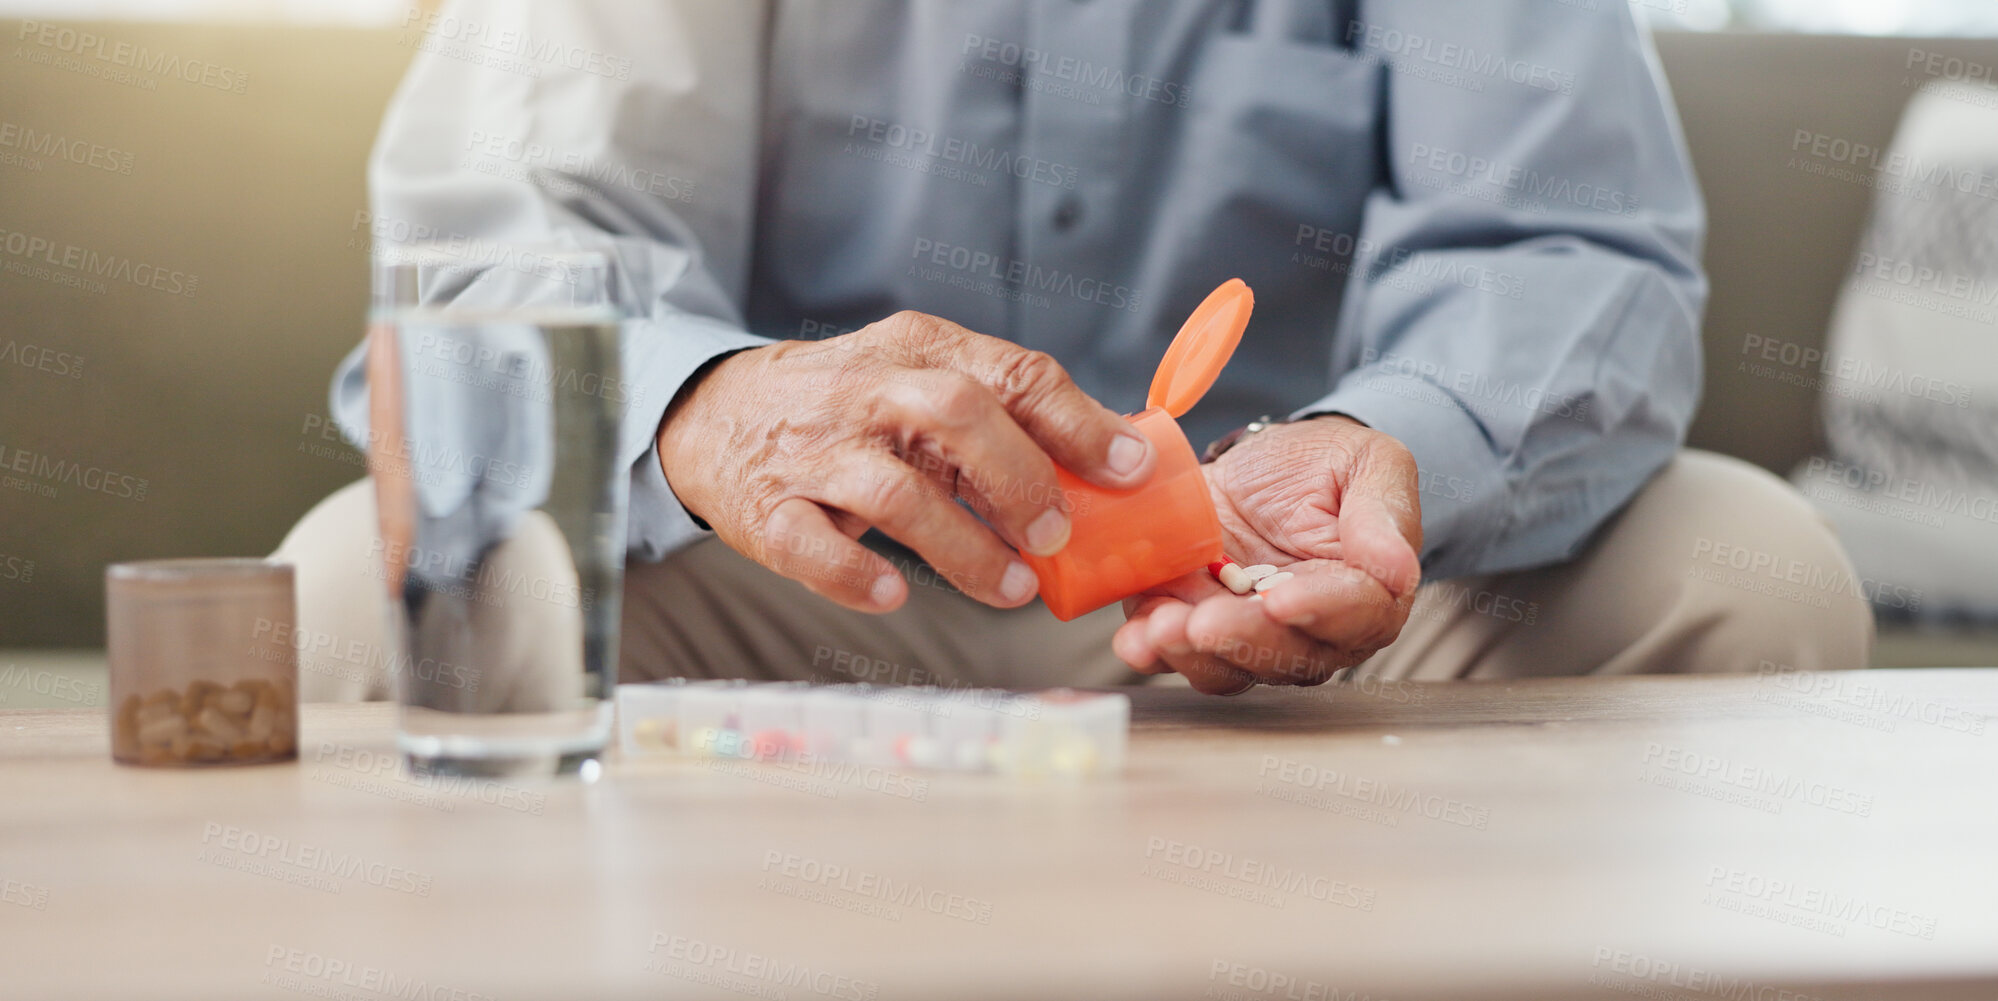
x,y
1329,500
792,451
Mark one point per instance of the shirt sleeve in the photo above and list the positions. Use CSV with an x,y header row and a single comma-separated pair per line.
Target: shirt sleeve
x,y
626,127
1526,298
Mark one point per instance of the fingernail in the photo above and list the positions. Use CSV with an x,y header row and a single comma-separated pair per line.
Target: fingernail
x,y
883,591
1048,533
1018,582
1127,453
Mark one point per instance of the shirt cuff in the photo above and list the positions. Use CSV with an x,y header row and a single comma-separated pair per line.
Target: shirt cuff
x,y
1460,482
660,355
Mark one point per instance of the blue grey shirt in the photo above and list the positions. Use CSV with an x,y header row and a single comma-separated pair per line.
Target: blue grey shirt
x,y
1471,225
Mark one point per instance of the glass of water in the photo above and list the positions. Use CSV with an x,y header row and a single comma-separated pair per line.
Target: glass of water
x,y
495,401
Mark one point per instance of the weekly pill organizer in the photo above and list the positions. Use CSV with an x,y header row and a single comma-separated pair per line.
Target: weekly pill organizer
x,y
1058,732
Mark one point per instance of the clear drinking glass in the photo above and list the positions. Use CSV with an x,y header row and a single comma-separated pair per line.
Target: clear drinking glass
x,y
495,400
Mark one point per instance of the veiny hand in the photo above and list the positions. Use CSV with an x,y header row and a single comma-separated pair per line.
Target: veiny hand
x,y
792,451
1328,499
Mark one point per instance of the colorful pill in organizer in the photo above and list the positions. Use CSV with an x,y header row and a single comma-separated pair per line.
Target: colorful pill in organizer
x,y
1055,732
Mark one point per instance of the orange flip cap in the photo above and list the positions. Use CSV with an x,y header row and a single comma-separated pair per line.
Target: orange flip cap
x,y
1202,348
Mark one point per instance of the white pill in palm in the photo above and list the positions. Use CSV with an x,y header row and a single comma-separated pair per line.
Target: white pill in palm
x,y
1260,570
1235,579
1273,580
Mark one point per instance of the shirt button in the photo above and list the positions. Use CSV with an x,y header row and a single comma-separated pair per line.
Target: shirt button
x,y
1068,213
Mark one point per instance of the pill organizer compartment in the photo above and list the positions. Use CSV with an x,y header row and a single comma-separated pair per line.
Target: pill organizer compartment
x,y
1059,732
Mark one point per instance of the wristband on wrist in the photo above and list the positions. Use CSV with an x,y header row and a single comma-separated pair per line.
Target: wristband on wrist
x,y
1264,423
1233,438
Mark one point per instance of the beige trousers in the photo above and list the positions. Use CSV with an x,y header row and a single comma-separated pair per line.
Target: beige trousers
x,y
1715,566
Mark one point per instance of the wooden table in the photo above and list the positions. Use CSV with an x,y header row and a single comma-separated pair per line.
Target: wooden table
x,y
1775,838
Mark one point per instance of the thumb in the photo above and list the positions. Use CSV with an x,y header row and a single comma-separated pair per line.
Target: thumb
x,y
1380,515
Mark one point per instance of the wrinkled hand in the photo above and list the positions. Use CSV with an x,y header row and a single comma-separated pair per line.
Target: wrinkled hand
x,y
792,451
1328,499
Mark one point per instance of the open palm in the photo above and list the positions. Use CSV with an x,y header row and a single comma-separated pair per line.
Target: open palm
x,y
1329,500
